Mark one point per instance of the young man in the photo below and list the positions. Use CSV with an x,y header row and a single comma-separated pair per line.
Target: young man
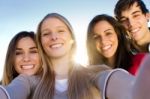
x,y
134,15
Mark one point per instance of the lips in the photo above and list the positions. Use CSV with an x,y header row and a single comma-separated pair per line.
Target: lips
x,y
58,45
25,67
134,31
105,48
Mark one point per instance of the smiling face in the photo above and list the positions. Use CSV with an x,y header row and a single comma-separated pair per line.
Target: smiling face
x,y
135,22
55,38
106,39
27,60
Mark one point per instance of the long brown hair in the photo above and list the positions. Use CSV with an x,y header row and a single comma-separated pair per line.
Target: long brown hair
x,y
78,80
9,69
123,53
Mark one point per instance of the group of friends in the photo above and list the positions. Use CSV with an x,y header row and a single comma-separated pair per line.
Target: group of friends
x,y
41,66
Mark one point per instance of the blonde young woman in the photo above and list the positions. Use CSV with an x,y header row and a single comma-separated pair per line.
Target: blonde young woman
x,y
62,78
22,57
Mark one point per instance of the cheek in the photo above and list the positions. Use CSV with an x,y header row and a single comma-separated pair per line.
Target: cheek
x,y
16,67
43,43
37,59
44,40
113,38
17,60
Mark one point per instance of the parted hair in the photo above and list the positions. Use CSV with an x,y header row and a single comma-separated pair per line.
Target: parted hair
x,y
123,54
9,69
79,82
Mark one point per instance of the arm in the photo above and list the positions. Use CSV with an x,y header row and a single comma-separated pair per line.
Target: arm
x,y
141,87
19,88
3,93
119,85
115,84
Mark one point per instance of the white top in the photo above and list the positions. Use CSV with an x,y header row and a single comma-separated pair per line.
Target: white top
x,y
61,85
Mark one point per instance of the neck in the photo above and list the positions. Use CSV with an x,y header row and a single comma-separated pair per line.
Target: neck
x,y
111,62
61,67
144,48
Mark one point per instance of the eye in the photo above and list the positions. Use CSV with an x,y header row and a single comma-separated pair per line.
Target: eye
x,y
45,34
34,51
96,37
108,33
123,20
136,15
19,53
61,31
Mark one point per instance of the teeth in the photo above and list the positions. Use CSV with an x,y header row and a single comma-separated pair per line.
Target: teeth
x,y
56,45
135,30
27,66
106,47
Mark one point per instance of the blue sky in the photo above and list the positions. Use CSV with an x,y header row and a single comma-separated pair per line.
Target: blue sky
x,y
20,15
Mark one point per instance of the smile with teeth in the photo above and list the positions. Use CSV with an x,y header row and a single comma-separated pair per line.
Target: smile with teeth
x,y
134,30
56,45
106,47
27,66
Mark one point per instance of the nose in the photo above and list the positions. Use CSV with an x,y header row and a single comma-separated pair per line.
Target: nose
x,y
26,57
103,40
54,36
130,23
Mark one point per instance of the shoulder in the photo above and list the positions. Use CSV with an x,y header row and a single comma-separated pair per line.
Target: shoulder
x,y
139,55
136,61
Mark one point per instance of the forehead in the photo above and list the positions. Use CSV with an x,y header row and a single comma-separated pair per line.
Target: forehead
x,y
53,21
25,41
131,9
102,25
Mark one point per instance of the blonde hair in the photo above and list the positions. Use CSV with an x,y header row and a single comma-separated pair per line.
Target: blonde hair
x,y
80,84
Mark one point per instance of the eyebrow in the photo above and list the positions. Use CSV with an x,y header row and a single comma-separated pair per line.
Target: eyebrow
x,y
132,14
29,48
45,30
135,12
107,30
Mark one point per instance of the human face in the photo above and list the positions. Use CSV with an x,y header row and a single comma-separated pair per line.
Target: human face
x,y
135,22
56,38
106,39
27,60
